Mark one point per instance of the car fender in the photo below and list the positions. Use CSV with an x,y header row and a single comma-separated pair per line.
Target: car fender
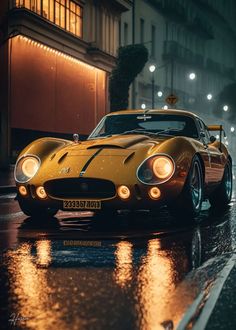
x,y
182,150
44,147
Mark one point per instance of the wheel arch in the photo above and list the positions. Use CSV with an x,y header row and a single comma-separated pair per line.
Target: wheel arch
x,y
230,159
202,165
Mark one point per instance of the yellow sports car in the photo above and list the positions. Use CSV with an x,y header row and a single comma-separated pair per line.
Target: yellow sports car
x,y
134,159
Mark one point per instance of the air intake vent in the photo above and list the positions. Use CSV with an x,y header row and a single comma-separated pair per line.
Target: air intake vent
x,y
80,188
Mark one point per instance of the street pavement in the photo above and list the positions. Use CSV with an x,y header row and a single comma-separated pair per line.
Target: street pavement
x,y
148,272
7,183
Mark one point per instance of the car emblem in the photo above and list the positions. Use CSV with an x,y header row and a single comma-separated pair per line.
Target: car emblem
x,y
65,170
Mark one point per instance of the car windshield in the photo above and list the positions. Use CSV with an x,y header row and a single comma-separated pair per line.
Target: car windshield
x,y
153,124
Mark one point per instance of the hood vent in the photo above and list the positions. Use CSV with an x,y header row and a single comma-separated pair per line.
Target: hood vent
x,y
121,141
60,160
105,146
127,159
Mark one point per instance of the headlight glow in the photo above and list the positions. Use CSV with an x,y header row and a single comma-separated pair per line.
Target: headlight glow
x,y
26,168
41,193
156,169
162,167
30,167
23,190
123,192
154,193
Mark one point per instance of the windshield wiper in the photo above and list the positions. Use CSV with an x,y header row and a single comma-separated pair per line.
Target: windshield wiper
x,y
140,131
143,131
136,130
165,131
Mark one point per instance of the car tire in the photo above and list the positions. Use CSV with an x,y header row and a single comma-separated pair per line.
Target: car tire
x,y
221,197
36,211
188,205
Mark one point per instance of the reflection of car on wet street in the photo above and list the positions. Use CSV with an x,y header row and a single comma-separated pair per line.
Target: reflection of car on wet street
x,y
132,160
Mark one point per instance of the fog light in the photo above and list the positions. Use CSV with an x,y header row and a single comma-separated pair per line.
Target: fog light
x,y
123,192
41,193
154,193
23,190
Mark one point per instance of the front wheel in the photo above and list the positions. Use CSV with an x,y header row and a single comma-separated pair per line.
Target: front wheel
x,y
36,211
221,197
188,204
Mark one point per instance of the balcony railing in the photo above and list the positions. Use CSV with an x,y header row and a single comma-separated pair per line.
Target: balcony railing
x,y
66,14
201,28
173,49
220,69
172,10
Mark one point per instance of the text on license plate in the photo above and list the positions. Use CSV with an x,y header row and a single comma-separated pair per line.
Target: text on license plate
x,y
82,205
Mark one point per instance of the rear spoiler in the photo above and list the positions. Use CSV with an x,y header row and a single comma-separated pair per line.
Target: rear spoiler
x,y
217,128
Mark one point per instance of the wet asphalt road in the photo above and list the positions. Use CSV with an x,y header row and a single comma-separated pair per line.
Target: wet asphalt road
x,y
141,272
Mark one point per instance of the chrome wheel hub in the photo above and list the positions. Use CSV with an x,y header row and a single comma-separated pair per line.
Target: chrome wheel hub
x,y
196,186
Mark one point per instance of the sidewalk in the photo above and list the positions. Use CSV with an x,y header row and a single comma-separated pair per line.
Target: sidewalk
x,y
7,183
224,316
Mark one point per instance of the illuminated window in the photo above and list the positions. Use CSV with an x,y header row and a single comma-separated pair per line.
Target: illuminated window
x,y
65,13
60,13
74,19
46,6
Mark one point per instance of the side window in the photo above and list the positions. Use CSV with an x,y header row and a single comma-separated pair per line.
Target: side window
x,y
203,129
200,128
208,135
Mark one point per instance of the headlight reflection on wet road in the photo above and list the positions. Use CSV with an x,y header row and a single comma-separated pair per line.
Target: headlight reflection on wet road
x,y
124,268
155,285
137,276
33,308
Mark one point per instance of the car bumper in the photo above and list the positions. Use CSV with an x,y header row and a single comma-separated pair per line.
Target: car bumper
x,y
139,198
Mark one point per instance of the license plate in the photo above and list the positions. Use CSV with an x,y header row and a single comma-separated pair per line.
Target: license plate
x,y
82,205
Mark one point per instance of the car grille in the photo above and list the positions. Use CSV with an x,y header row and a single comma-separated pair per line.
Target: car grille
x,y
80,188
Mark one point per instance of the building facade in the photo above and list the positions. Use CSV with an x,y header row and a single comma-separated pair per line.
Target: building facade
x,y
183,37
55,58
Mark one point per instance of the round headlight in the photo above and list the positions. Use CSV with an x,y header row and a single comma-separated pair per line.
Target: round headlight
x,y
30,167
162,167
26,168
156,169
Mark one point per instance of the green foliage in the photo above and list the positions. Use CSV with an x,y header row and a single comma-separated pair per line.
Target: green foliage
x,y
130,62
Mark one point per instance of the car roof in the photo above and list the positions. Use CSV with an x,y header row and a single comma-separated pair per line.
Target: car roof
x,y
155,111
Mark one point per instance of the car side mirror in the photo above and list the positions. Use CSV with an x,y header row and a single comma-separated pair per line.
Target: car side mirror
x,y
212,138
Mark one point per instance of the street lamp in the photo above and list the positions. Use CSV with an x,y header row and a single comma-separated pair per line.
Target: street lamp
x,y
159,93
152,68
225,107
209,96
232,129
192,76
143,106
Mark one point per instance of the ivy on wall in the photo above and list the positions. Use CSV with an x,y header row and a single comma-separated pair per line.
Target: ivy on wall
x,y
130,62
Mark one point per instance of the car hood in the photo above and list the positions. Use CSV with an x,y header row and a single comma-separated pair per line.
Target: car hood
x,y
100,158
118,141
